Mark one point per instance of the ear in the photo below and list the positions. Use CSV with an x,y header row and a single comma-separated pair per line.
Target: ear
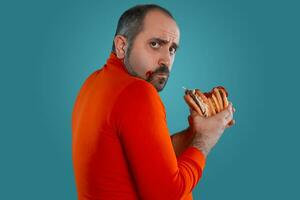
x,y
120,46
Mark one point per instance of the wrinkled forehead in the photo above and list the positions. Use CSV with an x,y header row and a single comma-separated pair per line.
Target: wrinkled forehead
x,y
159,25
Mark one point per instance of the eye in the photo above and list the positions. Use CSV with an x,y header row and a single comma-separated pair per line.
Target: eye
x,y
172,50
154,45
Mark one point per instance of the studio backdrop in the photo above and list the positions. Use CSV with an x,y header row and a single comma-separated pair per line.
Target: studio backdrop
x,y
48,49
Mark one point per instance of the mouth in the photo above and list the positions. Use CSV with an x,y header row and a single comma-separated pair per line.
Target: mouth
x,y
159,78
163,75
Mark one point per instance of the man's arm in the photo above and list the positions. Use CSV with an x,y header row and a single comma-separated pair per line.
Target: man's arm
x,y
181,140
139,118
189,137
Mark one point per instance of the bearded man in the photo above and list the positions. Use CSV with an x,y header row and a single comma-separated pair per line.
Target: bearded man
x,y
122,148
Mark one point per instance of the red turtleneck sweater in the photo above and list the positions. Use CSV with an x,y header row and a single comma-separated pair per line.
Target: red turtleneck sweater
x,y
121,145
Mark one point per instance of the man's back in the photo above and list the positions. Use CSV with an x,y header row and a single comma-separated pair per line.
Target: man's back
x,y
97,152
121,144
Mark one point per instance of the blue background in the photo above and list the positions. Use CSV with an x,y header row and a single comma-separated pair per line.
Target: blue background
x,y
48,48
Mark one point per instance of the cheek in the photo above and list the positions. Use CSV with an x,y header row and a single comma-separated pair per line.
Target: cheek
x,y
142,62
139,65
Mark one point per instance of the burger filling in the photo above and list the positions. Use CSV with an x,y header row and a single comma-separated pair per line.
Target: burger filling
x,y
201,104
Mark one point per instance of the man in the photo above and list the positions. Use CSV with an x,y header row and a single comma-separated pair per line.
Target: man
x,y
122,148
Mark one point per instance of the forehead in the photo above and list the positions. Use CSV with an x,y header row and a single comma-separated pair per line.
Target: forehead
x,y
158,24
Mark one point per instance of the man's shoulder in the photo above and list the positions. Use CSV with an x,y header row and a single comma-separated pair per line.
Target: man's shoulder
x,y
138,94
139,88
137,100
113,78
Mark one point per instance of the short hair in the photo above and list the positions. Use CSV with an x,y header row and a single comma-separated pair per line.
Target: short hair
x,y
130,23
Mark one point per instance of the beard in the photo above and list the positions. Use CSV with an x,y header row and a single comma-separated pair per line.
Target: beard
x,y
157,78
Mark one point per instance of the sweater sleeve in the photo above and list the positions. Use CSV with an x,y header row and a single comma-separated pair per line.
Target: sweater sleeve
x,y
140,121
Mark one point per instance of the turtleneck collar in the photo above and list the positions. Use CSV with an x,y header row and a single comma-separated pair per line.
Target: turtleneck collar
x,y
114,61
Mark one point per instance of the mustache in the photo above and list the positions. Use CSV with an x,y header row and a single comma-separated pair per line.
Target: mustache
x,y
162,69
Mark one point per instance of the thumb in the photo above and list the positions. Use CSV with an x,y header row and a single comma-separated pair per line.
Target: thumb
x,y
194,116
193,112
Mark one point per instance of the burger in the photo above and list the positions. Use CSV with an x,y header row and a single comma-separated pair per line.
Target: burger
x,y
208,103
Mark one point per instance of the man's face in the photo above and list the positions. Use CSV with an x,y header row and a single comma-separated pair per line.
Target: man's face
x,y
153,50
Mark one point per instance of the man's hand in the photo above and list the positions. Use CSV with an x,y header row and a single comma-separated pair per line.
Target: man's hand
x,y
208,130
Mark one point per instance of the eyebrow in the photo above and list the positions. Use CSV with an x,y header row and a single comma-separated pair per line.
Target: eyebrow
x,y
162,41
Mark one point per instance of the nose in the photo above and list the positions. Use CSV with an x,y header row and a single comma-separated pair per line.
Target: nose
x,y
165,59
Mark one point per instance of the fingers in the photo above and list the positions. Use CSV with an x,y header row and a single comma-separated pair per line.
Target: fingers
x,y
227,115
232,121
230,124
